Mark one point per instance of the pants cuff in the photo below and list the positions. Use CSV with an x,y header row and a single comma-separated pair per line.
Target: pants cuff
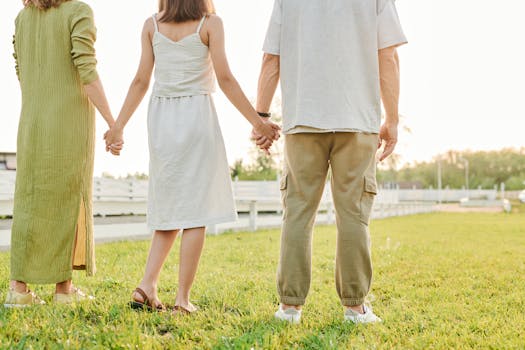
x,y
295,301
352,301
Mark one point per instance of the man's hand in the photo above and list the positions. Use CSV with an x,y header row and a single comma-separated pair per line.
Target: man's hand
x,y
114,141
263,141
388,137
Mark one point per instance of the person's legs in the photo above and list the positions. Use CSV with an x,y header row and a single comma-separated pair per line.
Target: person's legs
x,y
353,188
306,167
160,247
190,253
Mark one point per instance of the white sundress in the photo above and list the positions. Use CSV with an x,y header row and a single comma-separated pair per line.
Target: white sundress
x,y
189,176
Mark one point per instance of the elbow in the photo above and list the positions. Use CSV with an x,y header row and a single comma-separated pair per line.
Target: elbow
x,y
225,80
140,83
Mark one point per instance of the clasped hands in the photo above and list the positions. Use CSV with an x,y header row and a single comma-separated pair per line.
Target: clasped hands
x,y
264,134
114,140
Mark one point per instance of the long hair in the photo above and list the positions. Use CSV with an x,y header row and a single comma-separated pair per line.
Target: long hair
x,y
43,4
184,10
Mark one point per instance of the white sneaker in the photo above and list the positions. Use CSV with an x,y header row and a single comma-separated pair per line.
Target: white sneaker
x,y
356,317
291,315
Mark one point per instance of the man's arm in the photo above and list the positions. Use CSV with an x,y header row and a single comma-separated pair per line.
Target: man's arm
x,y
390,87
268,81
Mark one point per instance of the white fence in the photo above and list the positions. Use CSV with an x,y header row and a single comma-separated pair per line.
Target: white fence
x,y
256,198
445,195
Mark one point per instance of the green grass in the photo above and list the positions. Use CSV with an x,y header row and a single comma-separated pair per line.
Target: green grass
x,y
442,281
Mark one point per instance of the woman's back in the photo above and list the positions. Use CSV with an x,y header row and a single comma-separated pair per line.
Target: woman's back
x,y
55,55
51,50
183,67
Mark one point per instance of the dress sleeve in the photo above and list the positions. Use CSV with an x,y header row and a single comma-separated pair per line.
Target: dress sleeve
x,y
83,37
272,43
389,30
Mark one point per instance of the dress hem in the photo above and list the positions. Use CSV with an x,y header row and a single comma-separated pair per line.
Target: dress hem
x,y
192,224
58,278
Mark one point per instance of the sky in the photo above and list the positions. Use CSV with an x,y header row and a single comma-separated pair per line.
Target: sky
x,y
462,75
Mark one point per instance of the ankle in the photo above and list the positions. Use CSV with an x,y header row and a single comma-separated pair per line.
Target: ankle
x,y
357,308
19,287
148,287
65,287
182,300
286,307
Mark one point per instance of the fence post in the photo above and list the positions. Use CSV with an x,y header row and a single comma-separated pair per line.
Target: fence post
x,y
253,216
213,229
329,212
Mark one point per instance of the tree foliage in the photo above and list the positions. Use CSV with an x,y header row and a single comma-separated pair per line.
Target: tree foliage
x,y
486,170
262,167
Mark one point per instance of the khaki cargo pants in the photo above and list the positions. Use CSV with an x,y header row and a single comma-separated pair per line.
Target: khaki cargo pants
x,y
308,156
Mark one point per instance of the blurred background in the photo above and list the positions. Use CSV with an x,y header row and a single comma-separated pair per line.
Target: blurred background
x,y
462,81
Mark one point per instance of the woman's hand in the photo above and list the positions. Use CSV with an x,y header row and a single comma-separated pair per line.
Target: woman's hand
x,y
267,129
265,141
114,140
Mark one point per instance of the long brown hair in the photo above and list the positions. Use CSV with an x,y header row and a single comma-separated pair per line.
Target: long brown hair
x,y
43,4
184,10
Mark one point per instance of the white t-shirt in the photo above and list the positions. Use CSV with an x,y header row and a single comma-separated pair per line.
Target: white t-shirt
x,y
329,61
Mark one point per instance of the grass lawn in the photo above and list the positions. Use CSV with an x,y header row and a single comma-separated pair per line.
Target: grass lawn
x,y
442,281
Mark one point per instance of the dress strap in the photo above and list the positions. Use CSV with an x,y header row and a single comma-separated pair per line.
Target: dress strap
x,y
201,23
155,22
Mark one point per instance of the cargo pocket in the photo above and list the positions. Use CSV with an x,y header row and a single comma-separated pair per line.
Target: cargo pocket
x,y
284,182
367,198
283,185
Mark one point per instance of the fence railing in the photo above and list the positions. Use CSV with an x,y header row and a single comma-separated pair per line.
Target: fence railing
x,y
258,201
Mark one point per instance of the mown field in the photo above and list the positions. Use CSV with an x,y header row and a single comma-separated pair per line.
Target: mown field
x,y
442,281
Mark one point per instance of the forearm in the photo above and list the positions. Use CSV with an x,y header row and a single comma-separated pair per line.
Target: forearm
x,y
234,93
97,96
390,83
268,81
136,93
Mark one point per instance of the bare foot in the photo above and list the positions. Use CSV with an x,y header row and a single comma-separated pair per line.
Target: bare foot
x,y
185,306
151,293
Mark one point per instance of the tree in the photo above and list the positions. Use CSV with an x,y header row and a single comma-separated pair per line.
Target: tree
x,y
486,169
262,167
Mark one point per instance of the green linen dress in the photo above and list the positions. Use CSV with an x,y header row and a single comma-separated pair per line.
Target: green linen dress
x,y
52,230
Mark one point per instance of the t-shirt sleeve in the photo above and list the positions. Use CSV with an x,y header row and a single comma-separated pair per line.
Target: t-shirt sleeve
x,y
272,43
83,37
389,30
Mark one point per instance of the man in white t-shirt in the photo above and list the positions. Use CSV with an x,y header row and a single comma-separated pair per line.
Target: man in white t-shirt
x,y
336,60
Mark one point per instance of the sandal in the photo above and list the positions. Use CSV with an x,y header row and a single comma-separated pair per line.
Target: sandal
x,y
15,299
146,305
76,296
182,311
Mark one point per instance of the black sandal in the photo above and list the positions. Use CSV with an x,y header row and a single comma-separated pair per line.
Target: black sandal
x,y
146,305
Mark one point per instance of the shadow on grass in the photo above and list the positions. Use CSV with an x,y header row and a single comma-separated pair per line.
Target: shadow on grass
x,y
257,334
273,334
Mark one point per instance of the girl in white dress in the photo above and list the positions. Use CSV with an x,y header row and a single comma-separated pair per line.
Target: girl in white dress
x,y
189,179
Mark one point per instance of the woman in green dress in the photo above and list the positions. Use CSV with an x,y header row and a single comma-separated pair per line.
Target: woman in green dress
x,y
52,232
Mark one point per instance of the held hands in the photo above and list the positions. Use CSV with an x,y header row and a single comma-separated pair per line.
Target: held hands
x,y
114,140
388,137
265,134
